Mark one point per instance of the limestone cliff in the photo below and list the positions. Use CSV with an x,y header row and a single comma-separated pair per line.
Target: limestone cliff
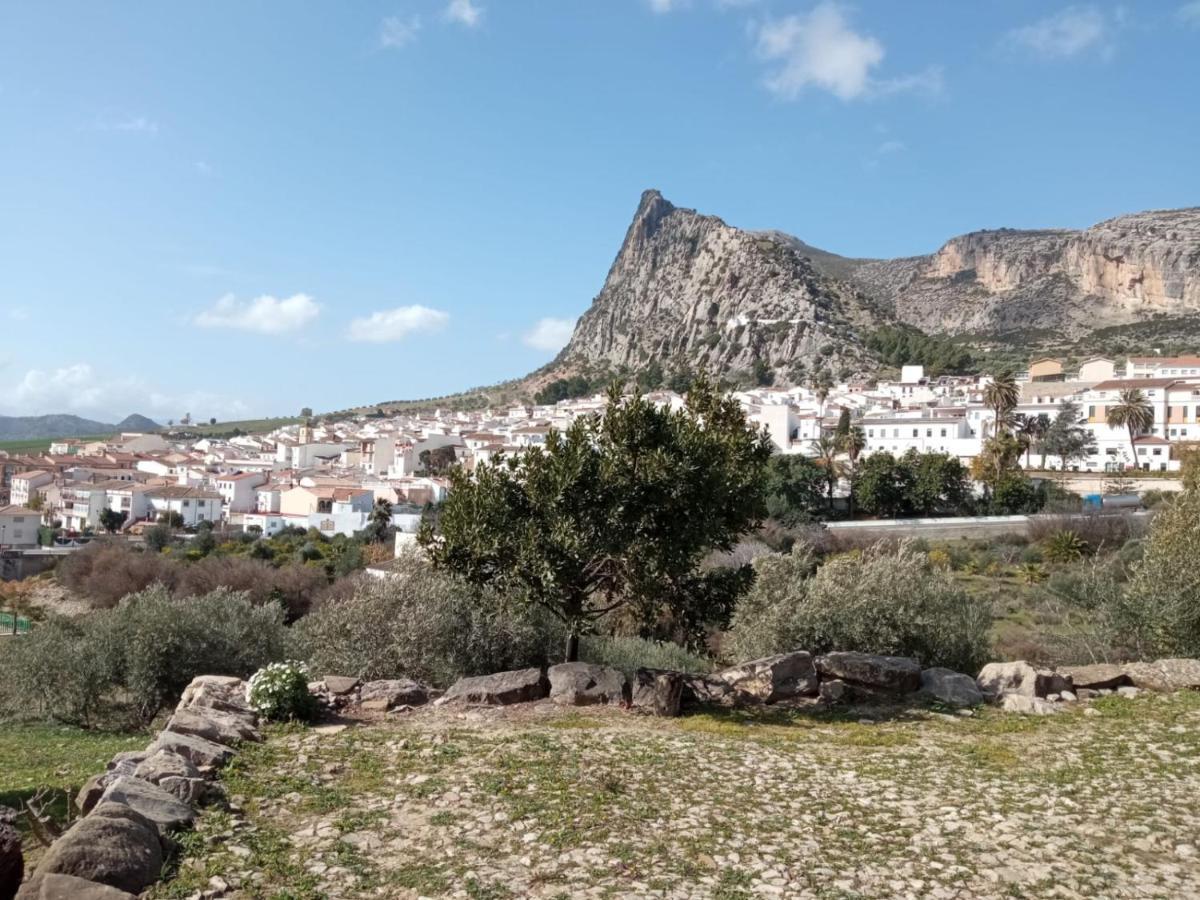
x,y
688,287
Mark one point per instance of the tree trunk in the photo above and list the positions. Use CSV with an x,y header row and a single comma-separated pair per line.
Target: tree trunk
x,y
1133,450
572,647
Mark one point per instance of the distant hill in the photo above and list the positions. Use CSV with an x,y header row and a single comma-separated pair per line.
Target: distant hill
x,y
16,428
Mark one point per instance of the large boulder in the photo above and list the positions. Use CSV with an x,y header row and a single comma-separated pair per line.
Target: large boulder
x,y
706,690
213,725
950,687
1165,675
115,845
12,864
895,674
68,887
501,689
219,692
394,692
1096,676
657,691
997,679
587,684
198,751
773,678
340,685
163,809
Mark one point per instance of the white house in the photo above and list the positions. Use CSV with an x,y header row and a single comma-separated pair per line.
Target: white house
x,y
19,527
238,491
25,486
193,504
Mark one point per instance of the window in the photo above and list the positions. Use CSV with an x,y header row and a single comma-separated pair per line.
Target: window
x,y
916,432
1091,412
928,432
18,520
1157,451
943,432
187,503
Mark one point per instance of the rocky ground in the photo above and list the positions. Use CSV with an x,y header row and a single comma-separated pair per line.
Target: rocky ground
x,y
539,801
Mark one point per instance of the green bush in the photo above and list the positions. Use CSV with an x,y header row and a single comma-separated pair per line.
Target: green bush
x,y
1064,547
135,659
631,653
1162,614
887,601
425,625
279,691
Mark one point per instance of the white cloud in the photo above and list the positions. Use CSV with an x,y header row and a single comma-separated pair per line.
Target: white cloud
x,y
1065,34
81,390
549,334
266,314
395,32
203,168
665,6
889,147
464,12
1189,13
396,324
819,49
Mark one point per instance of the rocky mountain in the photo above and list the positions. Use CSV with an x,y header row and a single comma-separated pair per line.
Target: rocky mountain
x,y
15,428
687,287
1118,272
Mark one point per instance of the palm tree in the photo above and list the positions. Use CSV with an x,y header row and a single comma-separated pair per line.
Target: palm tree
x,y
826,449
852,443
822,384
1133,412
1001,397
1031,430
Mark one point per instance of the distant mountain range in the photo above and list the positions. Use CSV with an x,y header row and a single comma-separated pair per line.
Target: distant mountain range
x,y
16,428
687,288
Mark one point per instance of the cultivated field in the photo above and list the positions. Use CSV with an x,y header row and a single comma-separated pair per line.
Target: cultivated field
x,y
539,802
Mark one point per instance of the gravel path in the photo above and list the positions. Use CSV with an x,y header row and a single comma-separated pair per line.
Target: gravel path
x,y
543,803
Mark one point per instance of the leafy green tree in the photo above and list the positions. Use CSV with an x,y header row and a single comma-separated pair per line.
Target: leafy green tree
x,y
795,489
1067,438
651,377
935,483
1031,430
615,513
1133,412
881,486
158,538
825,449
171,518
438,460
204,543
1162,612
111,520
843,425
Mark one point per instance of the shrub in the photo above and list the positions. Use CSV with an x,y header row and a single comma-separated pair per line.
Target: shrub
x,y
1162,614
1064,547
632,653
134,659
1033,573
939,559
426,625
279,691
882,601
104,571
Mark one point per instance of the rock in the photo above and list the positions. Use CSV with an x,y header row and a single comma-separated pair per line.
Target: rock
x,y
950,687
703,690
161,808
173,773
68,887
1127,690
379,704
1096,676
832,691
126,760
1087,694
212,725
198,751
217,692
1165,675
587,684
657,691
396,692
773,678
898,674
114,845
1021,703
996,679
12,863
501,689
339,685
1067,697
93,789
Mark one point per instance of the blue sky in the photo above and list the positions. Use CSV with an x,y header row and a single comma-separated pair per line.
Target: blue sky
x,y
237,209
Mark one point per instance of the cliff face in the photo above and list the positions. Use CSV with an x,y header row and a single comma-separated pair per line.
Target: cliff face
x,y
687,287
1113,273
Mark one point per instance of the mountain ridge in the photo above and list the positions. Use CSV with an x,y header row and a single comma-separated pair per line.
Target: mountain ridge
x,y
63,425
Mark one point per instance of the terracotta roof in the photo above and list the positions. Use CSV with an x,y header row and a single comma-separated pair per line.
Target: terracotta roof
x,y
1150,439
1117,384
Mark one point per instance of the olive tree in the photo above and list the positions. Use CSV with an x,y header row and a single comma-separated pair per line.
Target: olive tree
x,y
615,513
